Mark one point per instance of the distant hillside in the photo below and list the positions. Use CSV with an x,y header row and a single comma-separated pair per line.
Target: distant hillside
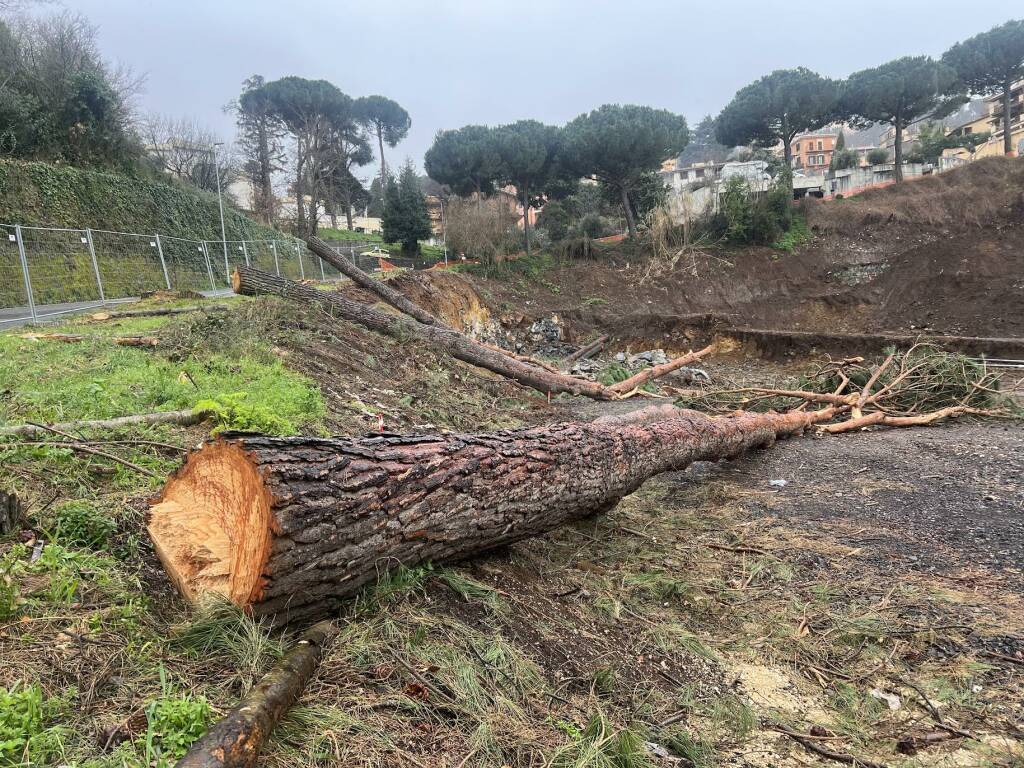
x,y
41,194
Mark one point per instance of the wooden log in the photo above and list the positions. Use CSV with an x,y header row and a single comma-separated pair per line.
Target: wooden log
x,y
251,282
656,371
584,352
380,288
178,418
77,338
158,312
290,526
238,738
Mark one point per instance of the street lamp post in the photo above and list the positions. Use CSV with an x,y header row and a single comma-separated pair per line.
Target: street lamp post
x,y
220,203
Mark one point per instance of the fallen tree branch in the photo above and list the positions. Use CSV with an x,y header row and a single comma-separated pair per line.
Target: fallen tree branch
x,y
584,352
237,739
178,418
76,338
75,445
289,527
656,371
100,316
377,287
840,757
250,282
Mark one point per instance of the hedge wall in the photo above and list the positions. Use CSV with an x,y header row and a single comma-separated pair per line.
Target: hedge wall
x,y
40,194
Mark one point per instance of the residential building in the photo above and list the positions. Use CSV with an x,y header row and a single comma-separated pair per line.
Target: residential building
x,y
1016,121
695,189
813,150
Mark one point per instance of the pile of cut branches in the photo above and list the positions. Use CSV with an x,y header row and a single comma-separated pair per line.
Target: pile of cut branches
x,y
922,385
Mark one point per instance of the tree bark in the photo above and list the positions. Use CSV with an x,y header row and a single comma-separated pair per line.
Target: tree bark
x,y
377,287
1007,117
289,527
383,171
526,216
238,738
251,282
898,150
630,221
300,203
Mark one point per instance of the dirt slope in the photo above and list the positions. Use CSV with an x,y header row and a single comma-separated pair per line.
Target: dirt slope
x,y
942,254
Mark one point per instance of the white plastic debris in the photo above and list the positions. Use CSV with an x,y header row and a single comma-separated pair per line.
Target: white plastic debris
x,y
889,698
780,483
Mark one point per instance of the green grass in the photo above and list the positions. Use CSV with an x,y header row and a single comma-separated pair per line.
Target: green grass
x,y
52,381
326,233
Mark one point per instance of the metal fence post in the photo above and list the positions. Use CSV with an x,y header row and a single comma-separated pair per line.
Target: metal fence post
x,y
95,264
227,265
352,256
302,270
24,272
163,264
209,268
323,275
277,266
245,252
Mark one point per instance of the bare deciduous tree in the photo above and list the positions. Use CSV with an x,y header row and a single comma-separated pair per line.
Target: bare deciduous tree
x,y
185,149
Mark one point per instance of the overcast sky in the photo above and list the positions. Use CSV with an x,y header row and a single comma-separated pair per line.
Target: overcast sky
x,y
453,62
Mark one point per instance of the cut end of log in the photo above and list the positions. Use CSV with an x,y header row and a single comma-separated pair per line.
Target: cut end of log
x,y
212,526
236,281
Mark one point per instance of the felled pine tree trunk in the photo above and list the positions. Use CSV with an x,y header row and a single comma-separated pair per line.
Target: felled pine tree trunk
x,y
290,526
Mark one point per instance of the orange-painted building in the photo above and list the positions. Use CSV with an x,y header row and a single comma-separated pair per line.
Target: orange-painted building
x,y
813,151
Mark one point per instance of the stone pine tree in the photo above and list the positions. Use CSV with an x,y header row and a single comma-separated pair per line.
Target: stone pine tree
x,y
620,146
405,218
386,121
260,133
777,108
309,109
989,64
466,160
527,150
899,93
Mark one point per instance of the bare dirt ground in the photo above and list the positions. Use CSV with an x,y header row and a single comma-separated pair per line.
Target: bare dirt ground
x,y
941,255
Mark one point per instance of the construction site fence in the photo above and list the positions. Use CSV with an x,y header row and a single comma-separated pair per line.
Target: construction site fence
x,y
46,271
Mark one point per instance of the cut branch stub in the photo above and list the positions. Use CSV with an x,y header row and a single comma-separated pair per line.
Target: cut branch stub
x,y
288,527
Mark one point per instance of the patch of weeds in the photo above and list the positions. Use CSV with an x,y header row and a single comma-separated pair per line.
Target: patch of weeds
x,y
79,523
600,745
658,585
8,585
671,637
613,374
856,713
697,752
593,301
233,411
608,606
25,736
394,586
471,590
172,724
798,234
604,680
732,715
220,628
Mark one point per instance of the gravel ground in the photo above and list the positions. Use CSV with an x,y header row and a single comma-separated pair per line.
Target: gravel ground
x,y
934,499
